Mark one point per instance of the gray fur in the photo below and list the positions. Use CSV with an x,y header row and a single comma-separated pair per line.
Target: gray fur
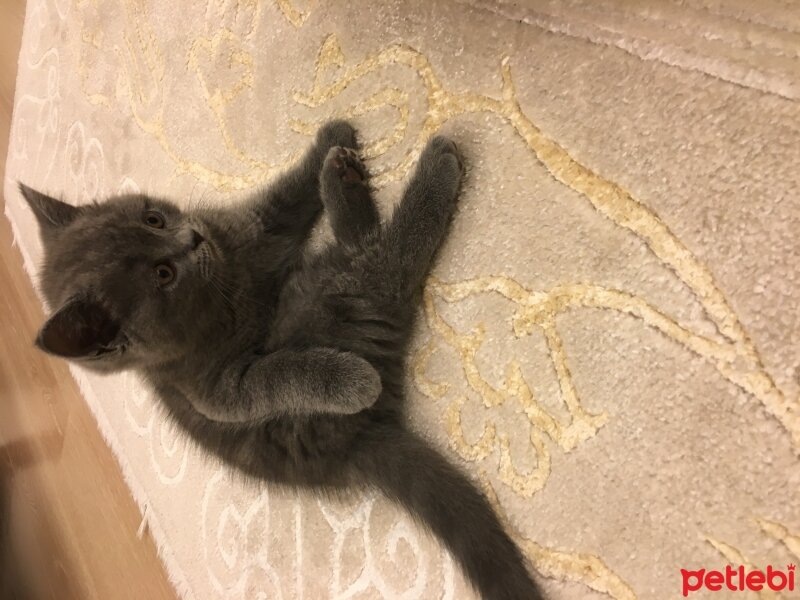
x,y
287,365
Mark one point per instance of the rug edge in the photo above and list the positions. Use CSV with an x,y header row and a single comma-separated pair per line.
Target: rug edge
x,y
172,568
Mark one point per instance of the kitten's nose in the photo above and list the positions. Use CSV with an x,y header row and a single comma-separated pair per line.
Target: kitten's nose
x,y
197,239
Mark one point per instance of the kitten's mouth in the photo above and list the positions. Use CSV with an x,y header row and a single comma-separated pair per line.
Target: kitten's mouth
x,y
104,352
204,251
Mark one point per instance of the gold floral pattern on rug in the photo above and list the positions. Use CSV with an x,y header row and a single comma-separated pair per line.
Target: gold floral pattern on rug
x,y
133,73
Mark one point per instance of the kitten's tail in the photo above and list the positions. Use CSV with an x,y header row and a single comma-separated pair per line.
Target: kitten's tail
x,y
420,479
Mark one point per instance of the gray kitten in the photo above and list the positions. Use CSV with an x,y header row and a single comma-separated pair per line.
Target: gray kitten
x,y
287,365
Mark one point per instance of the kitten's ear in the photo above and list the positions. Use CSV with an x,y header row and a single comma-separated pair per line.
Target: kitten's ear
x,y
81,328
50,213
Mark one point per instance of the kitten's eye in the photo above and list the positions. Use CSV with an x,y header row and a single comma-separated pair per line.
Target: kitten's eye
x,y
165,273
153,218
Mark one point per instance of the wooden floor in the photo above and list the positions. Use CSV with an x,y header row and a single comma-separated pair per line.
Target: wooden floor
x,y
67,521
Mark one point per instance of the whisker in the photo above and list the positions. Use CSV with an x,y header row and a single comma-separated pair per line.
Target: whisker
x,y
227,300
191,194
237,292
236,298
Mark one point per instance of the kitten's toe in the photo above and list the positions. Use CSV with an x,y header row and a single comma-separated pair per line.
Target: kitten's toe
x,y
367,387
441,148
441,167
357,384
440,143
337,133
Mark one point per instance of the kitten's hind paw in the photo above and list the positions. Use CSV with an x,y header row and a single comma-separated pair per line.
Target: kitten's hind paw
x,y
440,168
347,196
441,148
337,133
355,386
343,164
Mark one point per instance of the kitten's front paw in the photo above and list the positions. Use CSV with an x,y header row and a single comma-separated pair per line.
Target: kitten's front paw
x,y
337,133
366,383
356,386
344,165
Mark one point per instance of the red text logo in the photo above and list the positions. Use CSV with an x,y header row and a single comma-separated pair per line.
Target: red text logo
x,y
739,580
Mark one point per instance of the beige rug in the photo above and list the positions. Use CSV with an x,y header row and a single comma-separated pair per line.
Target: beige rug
x,y
611,341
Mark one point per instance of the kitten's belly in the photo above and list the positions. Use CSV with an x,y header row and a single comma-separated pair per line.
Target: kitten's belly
x,y
299,451
344,311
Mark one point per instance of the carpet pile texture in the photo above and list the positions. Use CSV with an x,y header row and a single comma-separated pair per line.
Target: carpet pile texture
x,y
610,342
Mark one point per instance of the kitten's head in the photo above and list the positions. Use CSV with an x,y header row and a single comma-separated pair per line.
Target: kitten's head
x,y
127,279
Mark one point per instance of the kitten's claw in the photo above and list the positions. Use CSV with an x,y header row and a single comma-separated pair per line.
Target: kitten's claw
x,y
346,196
346,164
